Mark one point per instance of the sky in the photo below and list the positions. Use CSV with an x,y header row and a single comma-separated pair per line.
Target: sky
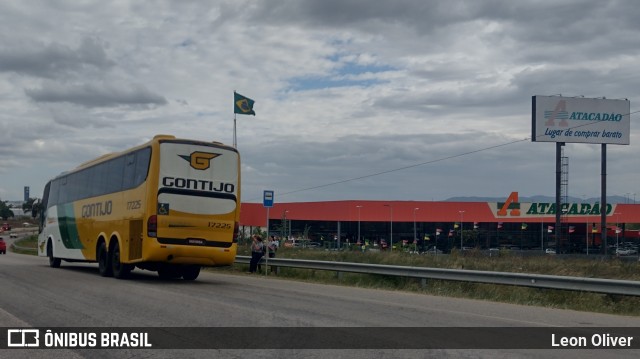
x,y
354,99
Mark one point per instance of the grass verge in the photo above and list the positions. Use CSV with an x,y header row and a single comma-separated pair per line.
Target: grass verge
x,y
610,268
30,242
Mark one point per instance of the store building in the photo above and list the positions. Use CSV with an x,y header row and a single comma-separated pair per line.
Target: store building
x,y
447,224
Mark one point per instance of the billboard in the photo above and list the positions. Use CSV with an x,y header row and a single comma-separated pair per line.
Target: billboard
x,y
580,120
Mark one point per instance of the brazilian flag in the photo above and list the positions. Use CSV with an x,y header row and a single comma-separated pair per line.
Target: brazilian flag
x,y
242,105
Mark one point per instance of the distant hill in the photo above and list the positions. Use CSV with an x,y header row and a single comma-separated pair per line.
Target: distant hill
x,y
543,199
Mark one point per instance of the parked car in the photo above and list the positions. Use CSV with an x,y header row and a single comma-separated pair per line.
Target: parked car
x,y
433,250
550,251
625,251
493,251
6,227
3,246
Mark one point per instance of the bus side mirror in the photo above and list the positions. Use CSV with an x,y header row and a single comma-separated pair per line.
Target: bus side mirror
x,y
36,208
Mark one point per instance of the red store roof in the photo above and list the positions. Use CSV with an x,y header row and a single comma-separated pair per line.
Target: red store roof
x,y
254,214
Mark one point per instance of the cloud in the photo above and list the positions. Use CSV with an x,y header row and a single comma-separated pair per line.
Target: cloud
x,y
83,76
96,94
55,60
391,167
343,90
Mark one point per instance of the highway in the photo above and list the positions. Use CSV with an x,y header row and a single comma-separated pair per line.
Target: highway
x,y
34,295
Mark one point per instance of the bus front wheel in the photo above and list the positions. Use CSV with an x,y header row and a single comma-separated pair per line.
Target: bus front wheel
x,y
53,261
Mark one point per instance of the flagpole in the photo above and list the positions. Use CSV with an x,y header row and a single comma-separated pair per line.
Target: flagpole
x,y
235,139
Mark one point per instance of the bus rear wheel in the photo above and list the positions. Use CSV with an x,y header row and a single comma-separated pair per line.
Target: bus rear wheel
x,y
169,271
104,262
120,270
53,261
190,272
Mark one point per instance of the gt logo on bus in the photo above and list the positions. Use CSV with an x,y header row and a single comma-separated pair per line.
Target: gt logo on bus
x,y
200,160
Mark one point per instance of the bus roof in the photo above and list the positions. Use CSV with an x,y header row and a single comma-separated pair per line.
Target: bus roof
x,y
156,138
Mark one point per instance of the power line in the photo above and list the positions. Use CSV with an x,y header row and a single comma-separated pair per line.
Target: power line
x,y
424,163
405,167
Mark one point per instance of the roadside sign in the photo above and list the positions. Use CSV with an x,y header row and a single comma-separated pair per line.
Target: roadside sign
x,y
268,199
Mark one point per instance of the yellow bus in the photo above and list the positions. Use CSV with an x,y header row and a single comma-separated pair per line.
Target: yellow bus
x,y
170,205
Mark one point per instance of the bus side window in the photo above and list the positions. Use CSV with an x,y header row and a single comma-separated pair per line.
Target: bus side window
x,y
128,177
114,172
142,165
53,194
135,168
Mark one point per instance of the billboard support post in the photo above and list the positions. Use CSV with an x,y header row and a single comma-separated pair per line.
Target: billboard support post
x,y
603,200
558,190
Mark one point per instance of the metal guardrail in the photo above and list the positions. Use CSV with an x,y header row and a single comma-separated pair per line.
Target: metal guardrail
x,y
21,231
27,249
598,285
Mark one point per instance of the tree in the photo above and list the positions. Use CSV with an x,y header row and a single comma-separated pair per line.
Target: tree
x,y
28,205
5,212
305,234
258,231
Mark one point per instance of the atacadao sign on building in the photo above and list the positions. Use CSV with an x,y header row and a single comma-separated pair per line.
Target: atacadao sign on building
x,y
580,120
512,207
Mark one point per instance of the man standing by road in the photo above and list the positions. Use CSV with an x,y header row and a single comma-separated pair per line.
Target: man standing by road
x,y
272,246
257,251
